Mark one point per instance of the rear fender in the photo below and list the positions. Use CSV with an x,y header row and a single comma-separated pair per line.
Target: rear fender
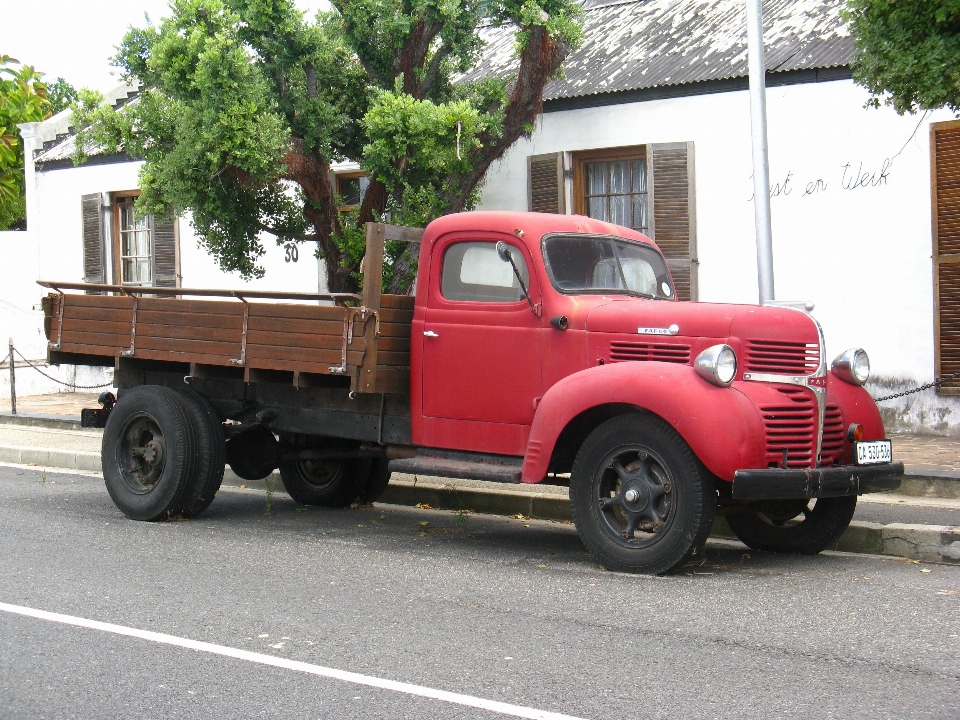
x,y
720,425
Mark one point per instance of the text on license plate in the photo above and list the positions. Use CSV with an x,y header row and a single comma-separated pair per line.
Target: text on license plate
x,y
876,451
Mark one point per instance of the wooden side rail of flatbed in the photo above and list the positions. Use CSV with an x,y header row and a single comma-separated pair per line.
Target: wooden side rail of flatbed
x,y
362,337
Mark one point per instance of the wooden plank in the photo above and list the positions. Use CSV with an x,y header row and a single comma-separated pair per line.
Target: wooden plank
x,y
366,380
71,324
392,315
304,312
226,350
393,358
293,326
402,234
314,357
399,302
304,340
202,307
212,320
399,330
114,340
393,380
189,331
393,344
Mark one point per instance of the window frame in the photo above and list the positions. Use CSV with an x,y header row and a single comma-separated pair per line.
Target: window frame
x,y
347,175
626,152
486,303
116,244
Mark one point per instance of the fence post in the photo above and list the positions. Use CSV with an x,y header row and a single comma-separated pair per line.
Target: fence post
x,y
13,382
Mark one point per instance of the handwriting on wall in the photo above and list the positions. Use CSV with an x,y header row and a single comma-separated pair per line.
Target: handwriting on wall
x,y
847,177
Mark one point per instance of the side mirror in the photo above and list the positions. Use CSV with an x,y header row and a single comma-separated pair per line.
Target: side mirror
x,y
503,251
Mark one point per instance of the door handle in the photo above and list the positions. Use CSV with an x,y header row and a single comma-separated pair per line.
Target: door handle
x,y
429,333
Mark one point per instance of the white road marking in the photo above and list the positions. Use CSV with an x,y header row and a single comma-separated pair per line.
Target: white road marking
x,y
356,678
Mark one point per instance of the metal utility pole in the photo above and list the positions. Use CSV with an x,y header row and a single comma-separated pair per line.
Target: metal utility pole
x,y
758,133
13,381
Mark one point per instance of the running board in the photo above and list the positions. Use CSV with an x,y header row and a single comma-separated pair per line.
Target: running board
x,y
463,465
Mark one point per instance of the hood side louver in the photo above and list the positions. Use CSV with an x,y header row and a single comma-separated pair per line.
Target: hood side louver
x,y
661,352
781,358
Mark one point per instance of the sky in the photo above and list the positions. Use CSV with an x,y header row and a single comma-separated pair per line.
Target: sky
x,y
75,39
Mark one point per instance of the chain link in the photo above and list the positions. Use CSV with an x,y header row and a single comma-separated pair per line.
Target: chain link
x,y
50,377
935,383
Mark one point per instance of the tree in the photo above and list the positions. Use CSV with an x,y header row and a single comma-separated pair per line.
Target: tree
x,y
908,52
245,105
23,99
61,95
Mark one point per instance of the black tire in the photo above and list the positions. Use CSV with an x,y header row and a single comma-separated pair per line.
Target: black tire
x,y
253,454
327,483
377,481
775,526
150,453
634,472
211,452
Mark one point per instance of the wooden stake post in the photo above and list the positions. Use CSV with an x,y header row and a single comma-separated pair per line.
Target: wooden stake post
x,y
377,235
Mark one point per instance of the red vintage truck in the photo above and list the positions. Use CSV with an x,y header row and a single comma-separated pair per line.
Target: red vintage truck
x,y
538,348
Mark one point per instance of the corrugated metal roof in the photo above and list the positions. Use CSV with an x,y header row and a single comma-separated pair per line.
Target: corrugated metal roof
x,y
640,44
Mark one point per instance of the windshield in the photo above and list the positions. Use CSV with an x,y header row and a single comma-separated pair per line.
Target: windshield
x,y
591,264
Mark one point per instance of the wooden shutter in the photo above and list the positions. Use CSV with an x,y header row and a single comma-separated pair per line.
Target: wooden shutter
x,y
673,226
166,253
545,186
945,194
94,267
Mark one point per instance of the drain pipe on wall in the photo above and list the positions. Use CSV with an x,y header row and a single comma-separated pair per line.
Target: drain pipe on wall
x,y
758,133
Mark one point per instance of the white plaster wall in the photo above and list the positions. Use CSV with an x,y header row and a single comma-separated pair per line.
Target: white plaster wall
x,y
861,253
59,231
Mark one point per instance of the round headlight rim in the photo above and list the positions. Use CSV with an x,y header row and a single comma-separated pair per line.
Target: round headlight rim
x,y
844,366
708,364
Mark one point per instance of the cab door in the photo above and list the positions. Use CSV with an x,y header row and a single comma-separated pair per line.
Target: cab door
x,y
481,347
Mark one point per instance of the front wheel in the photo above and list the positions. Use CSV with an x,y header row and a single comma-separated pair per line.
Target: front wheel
x,y
802,527
640,501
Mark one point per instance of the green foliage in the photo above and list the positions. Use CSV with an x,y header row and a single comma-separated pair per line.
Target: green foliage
x,y
61,95
23,99
908,52
246,103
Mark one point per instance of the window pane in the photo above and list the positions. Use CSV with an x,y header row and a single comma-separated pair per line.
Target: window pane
x,y
620,209
129,271
473,271
640,175
141,222
619,177
350,190
598,208
596,179
143,244
144,268
126,217
640,212
127,245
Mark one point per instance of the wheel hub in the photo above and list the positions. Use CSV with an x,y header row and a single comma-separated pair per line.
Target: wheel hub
x,y
642,496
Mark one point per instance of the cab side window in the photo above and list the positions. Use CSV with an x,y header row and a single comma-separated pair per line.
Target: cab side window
x,y
474,272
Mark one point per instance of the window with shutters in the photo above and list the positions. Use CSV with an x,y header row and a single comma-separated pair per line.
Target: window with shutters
x,y
649,188
139,251
945,195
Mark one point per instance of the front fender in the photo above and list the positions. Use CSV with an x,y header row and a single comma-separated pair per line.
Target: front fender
x,y
720,425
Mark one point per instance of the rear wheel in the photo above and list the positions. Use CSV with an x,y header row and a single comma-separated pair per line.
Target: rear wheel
x,y
803,527
328,483
639,499
211,453
377,481
150,453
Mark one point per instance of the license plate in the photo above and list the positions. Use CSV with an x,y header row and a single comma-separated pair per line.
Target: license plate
x,y
873,452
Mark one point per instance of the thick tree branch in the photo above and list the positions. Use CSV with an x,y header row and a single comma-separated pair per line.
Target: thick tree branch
x,y
438,57
286,235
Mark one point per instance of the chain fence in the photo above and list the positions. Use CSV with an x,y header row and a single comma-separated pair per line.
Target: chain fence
x,y
50,377
936,383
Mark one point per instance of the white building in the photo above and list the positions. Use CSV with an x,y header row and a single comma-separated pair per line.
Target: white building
x,y
653,113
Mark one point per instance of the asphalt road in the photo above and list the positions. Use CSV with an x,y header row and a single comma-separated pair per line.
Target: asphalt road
x,y
494,608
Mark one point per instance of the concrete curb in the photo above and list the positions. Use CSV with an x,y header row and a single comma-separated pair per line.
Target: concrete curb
x,y
927,543
51,422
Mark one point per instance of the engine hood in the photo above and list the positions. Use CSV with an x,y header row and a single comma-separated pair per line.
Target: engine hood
x,y
789,337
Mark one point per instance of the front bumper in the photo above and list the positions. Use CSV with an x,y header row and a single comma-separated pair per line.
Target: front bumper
x,y
779,484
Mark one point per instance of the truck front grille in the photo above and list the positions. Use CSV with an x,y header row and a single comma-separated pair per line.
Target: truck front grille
x,y
791,424
663,352
831,449
781,358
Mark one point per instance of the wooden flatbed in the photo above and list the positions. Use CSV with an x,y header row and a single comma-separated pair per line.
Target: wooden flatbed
x,y
364,339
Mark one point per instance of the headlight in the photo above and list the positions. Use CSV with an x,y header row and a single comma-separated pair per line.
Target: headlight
x,y
852,366
717,364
